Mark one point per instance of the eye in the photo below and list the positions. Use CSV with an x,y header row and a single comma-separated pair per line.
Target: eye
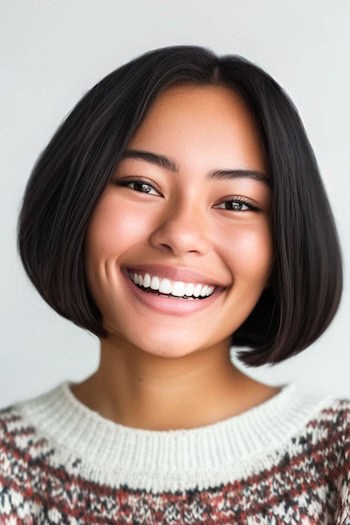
x,y
140,184
237,203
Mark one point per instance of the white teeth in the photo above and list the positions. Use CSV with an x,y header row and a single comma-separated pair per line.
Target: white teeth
x,y
165,286
176,288
189,289
204,291
155,283
197,290
146,280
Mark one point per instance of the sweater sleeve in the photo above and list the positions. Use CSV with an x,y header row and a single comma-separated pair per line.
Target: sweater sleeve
x,y
342,516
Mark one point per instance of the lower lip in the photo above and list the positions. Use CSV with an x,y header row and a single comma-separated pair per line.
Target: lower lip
x,y
167,305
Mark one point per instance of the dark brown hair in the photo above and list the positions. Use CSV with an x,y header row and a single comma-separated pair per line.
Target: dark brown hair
x,y
77,163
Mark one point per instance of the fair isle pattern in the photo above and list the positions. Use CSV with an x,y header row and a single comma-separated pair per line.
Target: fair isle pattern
x,y
304,481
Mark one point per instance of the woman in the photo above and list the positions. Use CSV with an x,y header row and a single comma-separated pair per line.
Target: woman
x,y
176,212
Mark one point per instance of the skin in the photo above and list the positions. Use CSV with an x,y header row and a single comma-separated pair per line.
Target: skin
x,y
159,371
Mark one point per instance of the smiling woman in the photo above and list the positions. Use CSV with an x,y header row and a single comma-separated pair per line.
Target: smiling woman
x,y
177,212
172,204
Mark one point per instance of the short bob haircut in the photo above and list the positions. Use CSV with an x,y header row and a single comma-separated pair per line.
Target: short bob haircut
x,y
77,163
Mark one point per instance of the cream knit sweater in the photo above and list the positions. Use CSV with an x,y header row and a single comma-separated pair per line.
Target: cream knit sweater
x,y
286,460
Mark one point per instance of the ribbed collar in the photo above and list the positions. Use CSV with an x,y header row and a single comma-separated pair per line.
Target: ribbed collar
x,y
156,459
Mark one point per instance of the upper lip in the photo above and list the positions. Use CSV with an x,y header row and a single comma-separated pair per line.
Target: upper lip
x,y
176,274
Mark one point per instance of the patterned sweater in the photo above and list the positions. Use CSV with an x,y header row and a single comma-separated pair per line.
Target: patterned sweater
x,y
285,461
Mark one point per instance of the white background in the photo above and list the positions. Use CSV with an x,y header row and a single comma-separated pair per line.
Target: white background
x,y
52,52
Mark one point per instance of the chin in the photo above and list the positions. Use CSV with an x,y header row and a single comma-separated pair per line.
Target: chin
x,y
171,347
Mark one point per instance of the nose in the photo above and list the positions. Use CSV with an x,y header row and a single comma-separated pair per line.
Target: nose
x,y
182,229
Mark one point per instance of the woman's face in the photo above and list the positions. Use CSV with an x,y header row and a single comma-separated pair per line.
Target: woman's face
x,y
183,220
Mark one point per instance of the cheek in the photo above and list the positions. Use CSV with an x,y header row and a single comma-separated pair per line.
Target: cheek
x,y
249,251
113,229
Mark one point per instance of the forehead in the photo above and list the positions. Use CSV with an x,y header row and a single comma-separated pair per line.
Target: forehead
x,y
213,105
207,121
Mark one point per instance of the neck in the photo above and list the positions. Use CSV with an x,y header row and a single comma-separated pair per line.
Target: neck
x,y
142,390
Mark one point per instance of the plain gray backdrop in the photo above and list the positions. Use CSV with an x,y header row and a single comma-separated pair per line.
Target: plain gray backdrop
x,y
53,52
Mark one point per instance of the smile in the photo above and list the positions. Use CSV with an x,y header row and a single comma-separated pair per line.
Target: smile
x,y
175,289
171,303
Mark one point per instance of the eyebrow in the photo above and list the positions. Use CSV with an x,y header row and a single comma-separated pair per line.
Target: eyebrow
x,y
165,162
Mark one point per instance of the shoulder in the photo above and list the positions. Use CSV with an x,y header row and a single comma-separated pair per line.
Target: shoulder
x,y
341,418
15,435
328,430
334,418
13,460
22,443
17,444
337,410
16,432
22,457
329,433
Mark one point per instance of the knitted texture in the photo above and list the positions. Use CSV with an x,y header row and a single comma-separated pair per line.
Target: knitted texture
x,y
285,461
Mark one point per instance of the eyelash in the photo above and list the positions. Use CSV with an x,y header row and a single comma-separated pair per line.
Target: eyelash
x,y
126,182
